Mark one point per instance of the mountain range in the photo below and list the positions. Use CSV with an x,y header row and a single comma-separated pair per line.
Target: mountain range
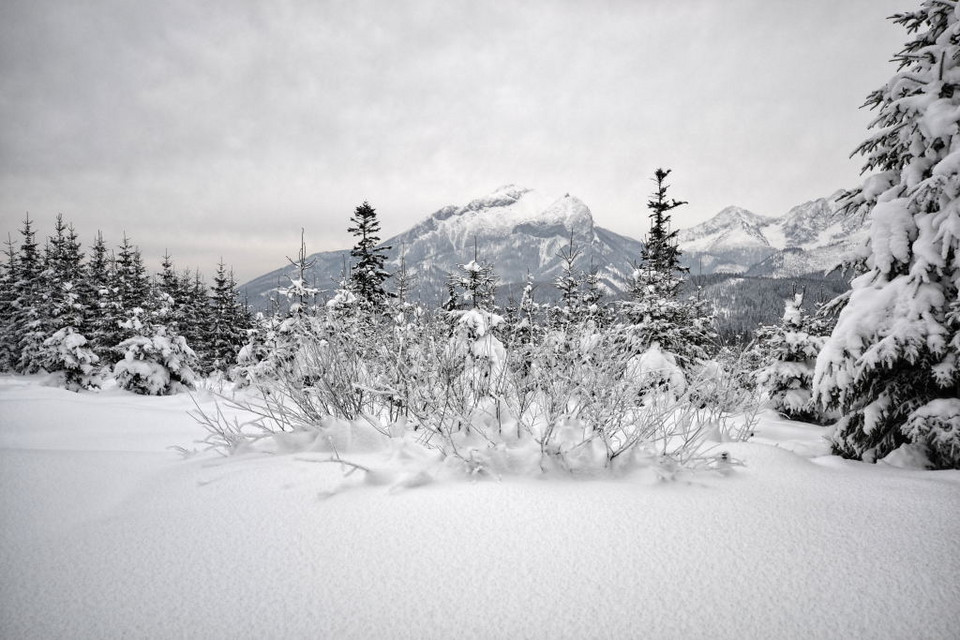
x,y
813,237
520,232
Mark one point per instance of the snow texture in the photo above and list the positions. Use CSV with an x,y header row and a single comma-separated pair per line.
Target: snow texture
x,y
107,534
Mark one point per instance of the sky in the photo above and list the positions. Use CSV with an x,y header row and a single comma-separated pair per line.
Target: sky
x,y
220,129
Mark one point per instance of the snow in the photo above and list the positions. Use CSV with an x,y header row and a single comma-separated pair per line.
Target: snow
x,y
107,533
509,207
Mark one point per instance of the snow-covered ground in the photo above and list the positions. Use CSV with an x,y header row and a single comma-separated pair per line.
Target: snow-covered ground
x,y
105,532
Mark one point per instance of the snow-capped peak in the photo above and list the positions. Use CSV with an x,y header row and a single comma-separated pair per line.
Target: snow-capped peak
x,y
733,226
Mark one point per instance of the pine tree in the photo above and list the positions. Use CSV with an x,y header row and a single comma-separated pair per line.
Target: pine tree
x,y
130,278
100,319
298,293
477,283
656,315
570,284
660,253
63,276
126,310
228,326
892,363
791,350
65,347
198,330
28,327
404,281
369,274
9,274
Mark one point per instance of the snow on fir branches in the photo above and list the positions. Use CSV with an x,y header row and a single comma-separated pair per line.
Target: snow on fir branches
x,y
892,363
87,320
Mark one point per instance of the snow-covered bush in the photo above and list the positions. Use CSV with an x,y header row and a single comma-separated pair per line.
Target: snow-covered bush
x,y
157,364
68,353
895,351
461,385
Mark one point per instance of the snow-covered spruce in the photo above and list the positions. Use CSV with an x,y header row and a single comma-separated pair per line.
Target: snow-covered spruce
x,y
155,364
791,349
891,364
68,353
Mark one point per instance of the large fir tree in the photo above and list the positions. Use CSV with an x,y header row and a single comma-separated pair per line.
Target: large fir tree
x,y
892,363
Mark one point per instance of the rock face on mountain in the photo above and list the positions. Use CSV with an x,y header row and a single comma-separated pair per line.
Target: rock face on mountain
x,y
518,230
812,237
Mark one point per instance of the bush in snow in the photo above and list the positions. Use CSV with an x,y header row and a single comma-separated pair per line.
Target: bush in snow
x,y
791,350
157,364
893,359
67,351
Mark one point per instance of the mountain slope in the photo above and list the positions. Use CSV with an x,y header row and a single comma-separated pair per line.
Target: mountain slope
x,y
520,231
812,237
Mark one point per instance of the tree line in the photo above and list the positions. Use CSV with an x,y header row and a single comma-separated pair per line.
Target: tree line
x,y
81,314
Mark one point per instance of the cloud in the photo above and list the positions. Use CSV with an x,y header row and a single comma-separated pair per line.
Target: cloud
x,y
234,124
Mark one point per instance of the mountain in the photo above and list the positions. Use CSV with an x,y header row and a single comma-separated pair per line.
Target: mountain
x,y
812,237
518,230
747,263
729,242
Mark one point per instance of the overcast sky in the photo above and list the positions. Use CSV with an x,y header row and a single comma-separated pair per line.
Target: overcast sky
x,y
221,128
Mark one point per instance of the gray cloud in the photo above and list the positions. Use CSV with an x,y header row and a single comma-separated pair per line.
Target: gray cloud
x,y
221,128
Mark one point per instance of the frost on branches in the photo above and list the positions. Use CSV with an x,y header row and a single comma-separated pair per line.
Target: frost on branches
x,y
156,365
891,363
69,353
792,349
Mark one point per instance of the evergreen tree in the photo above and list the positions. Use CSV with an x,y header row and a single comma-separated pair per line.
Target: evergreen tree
x,y
298,293
228,325
198,330
570,284
369,274
28,327
63,277
892,363
100,321
126,310
791,350
65,347
9,275
477,283
404,281
656,315
130,278
660,253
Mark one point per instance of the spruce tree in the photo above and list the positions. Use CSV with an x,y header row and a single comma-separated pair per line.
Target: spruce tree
x,y
368,275
101,320
28,327
655,313
63,279
660,254
570,284
892,363
477,283
198,330
228,330
791,350
127,309
9,270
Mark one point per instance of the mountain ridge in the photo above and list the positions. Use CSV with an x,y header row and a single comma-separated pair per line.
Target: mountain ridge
x,y
521,230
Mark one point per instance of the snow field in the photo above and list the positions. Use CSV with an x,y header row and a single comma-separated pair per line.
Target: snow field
x,y
106,533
